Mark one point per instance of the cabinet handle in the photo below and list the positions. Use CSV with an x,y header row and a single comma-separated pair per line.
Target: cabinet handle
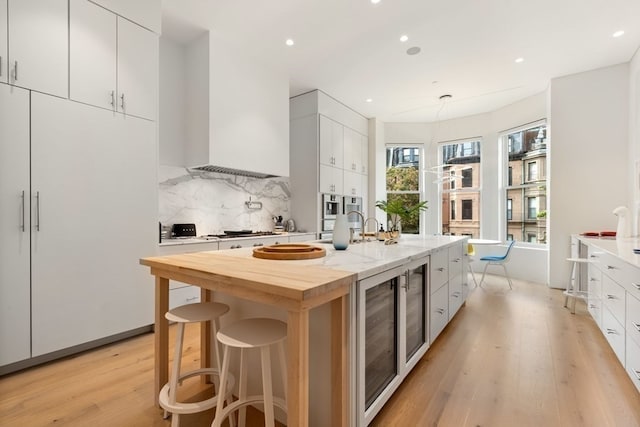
x,y
440,269
191,299
609,296
637,374
637,326
23,213
456,260
258,244
592,306
15,71
113,98
407,277
0,65
637,286
122,102
593,279
612,331
610,267
37,211
439,310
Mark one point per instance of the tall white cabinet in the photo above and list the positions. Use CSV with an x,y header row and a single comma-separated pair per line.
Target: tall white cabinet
x,y
78,189
329,155
14,225
4,60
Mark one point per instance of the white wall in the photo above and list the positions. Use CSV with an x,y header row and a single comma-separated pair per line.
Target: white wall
x,y
634,139
528,263
588,163
172,101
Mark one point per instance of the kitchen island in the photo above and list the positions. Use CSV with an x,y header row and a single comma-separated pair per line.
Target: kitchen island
x,y
298,287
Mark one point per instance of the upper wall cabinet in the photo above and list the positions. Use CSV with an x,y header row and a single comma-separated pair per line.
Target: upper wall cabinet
x,y
4,68
37,42
144,12
113,62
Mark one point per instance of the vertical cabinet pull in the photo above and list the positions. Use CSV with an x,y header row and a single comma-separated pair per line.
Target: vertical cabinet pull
x,y
37,211
15,71
0,65
122,102
23,213
113,98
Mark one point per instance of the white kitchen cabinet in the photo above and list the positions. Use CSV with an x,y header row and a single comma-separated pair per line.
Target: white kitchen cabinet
x,y
38,45
94,197
456,293
4,60
364,155
594,293
331,180
331,142
15,339
633,362
352,150
352,184
147,13
250,243
113,62
439,312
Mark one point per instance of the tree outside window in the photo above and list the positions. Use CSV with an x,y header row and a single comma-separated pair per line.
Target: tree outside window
x,y
403,180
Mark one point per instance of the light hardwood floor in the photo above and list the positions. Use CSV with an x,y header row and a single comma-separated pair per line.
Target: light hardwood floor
x,y
508,358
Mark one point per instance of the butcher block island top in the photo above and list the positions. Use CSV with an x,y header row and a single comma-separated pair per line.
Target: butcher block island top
x,y
295,286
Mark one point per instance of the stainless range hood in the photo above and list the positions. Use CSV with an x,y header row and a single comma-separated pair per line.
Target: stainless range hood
x,y
230,171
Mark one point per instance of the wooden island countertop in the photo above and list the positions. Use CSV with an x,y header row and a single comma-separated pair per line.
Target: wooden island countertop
x,y
285,284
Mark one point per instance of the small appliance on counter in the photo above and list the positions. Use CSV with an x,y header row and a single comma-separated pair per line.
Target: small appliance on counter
x,y
279,226
183,231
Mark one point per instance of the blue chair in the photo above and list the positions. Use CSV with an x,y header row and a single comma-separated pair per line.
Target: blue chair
x,y
498,260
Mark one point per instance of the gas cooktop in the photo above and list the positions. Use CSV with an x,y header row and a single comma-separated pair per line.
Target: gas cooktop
x,y
240,233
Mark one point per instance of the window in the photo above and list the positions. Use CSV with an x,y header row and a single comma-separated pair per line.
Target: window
x,y
459,178
532,171
467,178
532,207
525,182
467,209
403,180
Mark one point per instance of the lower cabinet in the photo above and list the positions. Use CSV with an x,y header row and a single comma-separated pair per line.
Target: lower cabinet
x,y
439,313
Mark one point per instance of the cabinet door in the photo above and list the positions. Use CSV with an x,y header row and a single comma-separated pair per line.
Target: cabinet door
x,y
38,44
94,182
352,183
15,336
92,54
352,150
364,155
331,180
438,312
4,61
137,70
414,308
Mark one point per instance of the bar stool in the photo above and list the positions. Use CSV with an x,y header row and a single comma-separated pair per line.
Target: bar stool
x,y
192,313
572,290
247,334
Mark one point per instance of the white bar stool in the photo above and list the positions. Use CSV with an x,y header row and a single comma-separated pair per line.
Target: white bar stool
x,y
572,290
247,334
192,313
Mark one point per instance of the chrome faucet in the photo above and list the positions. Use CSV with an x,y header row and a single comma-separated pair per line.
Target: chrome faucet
x,y
351,229
364,227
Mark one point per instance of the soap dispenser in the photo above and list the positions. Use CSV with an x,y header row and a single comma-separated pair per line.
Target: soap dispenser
x,y
624,221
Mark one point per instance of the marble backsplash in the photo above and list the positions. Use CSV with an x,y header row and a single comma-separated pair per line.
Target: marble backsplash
x,y
216,201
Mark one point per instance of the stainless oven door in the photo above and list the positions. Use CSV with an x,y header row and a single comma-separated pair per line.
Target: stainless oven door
x,y
331,206
353,204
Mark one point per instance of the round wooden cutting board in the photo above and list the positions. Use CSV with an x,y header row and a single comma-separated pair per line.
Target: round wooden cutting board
x,y
289,251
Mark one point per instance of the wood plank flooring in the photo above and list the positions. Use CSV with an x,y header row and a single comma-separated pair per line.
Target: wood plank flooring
x,y
509,358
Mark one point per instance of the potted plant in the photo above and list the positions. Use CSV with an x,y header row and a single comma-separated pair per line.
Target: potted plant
x,y
398,211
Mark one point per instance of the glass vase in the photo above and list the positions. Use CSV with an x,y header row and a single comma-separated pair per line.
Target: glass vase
x,y
341,232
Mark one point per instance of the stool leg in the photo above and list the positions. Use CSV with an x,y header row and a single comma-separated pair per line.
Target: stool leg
x,y
222,389
574,288
175,373
242,391
267,389
283,368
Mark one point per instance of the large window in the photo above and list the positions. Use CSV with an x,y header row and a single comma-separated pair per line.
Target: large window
x,y
403,180
525,183
459,177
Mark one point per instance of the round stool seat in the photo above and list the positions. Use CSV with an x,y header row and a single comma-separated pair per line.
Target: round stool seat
x,y
251,333
197,312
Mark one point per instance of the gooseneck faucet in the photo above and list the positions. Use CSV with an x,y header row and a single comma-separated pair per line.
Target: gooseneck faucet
x,y
351,229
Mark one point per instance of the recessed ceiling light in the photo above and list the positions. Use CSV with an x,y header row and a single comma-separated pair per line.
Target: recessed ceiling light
x,y
413,50
375,1
369,100
519,60
618,33
404,38
289,42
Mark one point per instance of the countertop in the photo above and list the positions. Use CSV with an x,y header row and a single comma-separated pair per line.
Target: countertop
x,y
619,247
200,240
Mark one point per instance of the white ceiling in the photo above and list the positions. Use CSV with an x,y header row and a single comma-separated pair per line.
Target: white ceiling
x,y
350,49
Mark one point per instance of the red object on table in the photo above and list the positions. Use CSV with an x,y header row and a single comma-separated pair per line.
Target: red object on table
x,y
608,233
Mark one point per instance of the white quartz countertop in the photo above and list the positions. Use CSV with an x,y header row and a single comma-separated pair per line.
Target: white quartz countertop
x,y
199,240
368,258
619,247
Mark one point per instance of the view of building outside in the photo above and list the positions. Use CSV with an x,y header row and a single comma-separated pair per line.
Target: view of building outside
x,y
526,185
459,177
403,181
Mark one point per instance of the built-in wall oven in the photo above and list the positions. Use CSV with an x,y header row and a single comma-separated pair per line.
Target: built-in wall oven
x,y
331,206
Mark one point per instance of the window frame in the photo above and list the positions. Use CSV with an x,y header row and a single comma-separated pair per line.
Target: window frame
x,y
421,152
